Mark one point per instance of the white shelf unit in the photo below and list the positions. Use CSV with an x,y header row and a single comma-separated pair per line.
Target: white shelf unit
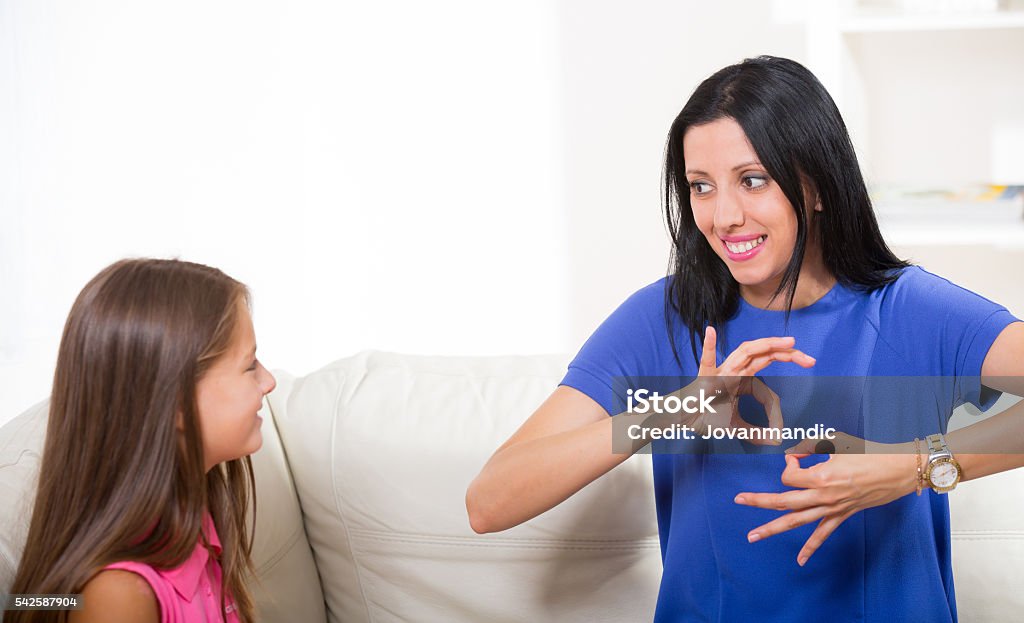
x,y
872,22
831,28
951,230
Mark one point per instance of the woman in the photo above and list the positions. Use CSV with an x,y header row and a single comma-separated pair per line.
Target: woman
x,y
778,267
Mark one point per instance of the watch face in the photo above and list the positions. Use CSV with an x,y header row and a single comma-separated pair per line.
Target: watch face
x,y
944,474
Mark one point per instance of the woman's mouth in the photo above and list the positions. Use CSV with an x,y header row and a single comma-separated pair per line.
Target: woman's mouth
x,y
739,251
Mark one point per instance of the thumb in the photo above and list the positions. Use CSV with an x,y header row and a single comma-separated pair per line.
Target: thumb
x,y
802,449
708,358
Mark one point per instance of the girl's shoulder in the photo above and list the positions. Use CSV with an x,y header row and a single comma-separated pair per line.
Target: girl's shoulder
x,y
119,594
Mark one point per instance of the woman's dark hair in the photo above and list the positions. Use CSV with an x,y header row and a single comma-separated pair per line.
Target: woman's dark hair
x,y
798,134
118,481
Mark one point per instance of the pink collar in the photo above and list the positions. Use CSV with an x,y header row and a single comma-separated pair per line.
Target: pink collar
x,y
185,578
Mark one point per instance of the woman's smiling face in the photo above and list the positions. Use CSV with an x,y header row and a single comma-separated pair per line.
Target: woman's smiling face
x,y
741,211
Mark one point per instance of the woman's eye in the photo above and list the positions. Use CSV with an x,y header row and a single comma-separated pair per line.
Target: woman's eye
x,y
754,181
700,188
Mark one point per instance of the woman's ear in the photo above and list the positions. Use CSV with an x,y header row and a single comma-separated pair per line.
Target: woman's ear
x,y
811,196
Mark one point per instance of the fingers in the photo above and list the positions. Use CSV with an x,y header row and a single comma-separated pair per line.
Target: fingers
x,y
787,522
809,479
818,537
789,500
797,500
751,357
742,357
770,401
759,362
708,357
829,523
805,478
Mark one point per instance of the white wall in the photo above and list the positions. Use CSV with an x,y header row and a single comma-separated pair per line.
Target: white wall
x,y
444,177
628,70
383,175
944,108
447,177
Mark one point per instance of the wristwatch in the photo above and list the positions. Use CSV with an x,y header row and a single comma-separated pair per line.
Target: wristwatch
x,y
942,471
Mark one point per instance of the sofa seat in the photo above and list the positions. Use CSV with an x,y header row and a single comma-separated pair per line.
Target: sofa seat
x,y
361,516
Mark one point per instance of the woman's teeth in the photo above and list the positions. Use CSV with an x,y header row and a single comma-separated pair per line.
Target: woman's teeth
x,y
742,247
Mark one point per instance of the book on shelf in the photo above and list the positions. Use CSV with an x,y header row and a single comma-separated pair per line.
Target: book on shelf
x,y
978,201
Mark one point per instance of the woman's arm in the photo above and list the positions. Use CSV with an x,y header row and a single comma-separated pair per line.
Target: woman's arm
x,y
562,447
996,444
567,443
847,483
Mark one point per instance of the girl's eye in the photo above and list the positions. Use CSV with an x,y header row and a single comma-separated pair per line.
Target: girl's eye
x,y
755,182
700,188
252,368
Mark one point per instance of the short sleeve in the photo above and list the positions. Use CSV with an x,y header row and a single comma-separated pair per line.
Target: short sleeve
x,y
630,343
959,324
984,336
164,593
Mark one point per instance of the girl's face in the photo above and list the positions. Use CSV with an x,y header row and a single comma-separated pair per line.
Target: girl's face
x,y
228,396
741,211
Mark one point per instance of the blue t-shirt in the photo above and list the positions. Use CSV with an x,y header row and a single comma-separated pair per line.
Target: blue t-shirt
x,y
883,564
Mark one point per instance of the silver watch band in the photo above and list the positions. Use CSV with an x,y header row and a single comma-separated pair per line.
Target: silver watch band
x,y
939,453
937,447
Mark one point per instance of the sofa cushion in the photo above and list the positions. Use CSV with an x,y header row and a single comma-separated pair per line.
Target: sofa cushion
x,y
288,587
21,449
987,526
382,448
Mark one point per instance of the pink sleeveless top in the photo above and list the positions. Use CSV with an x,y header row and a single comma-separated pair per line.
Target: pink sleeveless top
x,y
189,593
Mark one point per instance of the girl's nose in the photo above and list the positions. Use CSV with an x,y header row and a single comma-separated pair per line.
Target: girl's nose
x,y
269,382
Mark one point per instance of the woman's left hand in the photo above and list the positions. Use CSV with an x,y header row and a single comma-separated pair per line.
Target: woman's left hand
x,y
834,490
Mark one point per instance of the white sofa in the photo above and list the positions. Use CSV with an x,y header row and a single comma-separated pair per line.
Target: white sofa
x,y
361,515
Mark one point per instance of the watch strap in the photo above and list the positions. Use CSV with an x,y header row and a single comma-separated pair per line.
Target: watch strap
x,y
938,450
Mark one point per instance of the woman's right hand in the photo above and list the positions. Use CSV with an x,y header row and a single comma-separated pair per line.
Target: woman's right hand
x,y
568,441
735,377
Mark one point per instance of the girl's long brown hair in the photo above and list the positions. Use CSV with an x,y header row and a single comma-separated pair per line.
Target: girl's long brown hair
x,y
119,480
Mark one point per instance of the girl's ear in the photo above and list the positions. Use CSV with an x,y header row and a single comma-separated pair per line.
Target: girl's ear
x,y
179,421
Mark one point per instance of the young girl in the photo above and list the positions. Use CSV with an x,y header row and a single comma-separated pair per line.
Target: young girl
x,y
145,483
776,246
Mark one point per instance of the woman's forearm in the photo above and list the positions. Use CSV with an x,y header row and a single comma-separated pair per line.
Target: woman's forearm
x,y
533,476
993,445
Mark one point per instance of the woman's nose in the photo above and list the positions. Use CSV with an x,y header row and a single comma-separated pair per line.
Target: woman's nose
x,y
728,211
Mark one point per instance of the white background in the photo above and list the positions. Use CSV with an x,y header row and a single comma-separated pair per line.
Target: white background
x,y
445,177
